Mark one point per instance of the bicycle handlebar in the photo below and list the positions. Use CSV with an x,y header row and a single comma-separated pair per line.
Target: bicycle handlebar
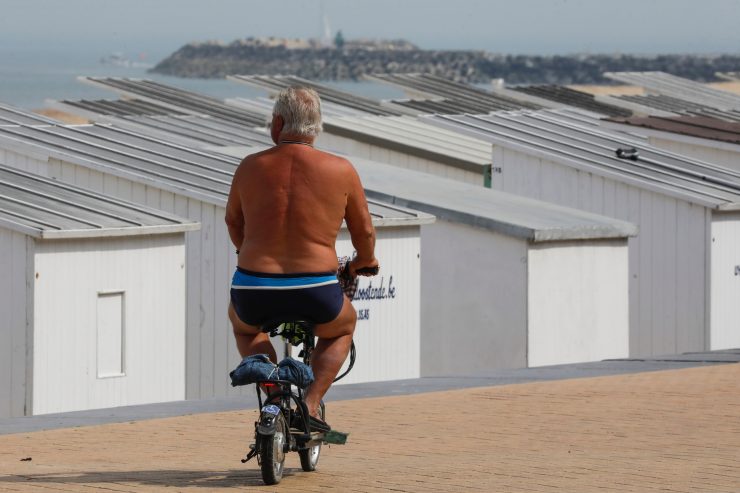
x,y
372,271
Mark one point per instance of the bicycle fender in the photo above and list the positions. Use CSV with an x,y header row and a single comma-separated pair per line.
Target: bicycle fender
x,y
268,420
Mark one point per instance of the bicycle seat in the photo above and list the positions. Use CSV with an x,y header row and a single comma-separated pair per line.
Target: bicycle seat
x,y
274,324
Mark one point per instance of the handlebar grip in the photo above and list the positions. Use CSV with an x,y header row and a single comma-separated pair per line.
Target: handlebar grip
x,y
368,270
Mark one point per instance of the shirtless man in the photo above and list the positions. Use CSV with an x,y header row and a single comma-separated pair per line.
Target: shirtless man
x,y
284,212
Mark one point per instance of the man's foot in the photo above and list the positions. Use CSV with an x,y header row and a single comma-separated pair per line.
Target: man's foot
x,y
315,423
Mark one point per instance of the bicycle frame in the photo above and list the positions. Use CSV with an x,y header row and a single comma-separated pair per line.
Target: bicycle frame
x,y
277,430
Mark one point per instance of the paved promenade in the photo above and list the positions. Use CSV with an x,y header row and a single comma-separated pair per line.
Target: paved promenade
x,y
675,431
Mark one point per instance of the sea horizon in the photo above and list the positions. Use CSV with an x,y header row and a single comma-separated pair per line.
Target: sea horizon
x,y
36,72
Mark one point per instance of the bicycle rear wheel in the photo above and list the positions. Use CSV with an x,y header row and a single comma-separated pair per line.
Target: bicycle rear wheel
x,y
272,452
310,456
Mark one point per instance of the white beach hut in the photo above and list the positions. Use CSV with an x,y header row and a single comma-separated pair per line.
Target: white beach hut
x,y
683,281
92,298
509,282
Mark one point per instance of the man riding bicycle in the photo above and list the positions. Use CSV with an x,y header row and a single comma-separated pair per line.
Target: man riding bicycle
x,y
284,212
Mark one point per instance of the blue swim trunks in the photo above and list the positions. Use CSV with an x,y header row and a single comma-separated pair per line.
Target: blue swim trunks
x,y
261,298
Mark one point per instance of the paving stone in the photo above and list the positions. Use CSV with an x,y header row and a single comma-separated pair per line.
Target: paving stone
x,y
673,430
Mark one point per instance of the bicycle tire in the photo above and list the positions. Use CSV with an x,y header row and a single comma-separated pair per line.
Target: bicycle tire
x,y
310,456
272,452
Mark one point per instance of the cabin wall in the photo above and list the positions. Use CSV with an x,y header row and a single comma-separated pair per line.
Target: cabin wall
x,y
668,258
16,337
474,300
578,302
369,151
109,322
725,289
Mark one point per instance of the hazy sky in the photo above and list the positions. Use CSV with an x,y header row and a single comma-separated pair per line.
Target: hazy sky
x,y
511,26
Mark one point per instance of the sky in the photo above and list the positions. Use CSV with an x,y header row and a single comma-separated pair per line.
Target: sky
x,y
46,44
157,27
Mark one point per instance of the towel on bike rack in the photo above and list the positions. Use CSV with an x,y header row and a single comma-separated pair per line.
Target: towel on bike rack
x,y
258,367
296,372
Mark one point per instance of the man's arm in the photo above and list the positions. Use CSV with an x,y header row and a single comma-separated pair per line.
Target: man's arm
x,y
360,224
234,215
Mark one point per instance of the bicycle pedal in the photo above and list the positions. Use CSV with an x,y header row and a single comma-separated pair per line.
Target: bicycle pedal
x,y
335,437
252,446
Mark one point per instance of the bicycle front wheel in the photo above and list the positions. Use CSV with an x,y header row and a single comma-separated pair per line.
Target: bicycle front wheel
x,y
310,457
272,452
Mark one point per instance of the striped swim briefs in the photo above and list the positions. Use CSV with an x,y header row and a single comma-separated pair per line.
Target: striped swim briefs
x,y
260,298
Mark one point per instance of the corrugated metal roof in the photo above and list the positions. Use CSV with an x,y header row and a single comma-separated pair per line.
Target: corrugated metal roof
x,y
571,97
730,76
694,126
122,107
405,134
265,105
680,106
177,99
585,146
445,106
277,83
10,115
198,174
678,87
477,206
434,87
199,129
410,136
44,208
190,130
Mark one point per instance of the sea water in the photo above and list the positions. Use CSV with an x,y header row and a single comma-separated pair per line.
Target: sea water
x,y
32,75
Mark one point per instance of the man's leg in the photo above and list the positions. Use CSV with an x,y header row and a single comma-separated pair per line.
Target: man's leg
x,y
335,340
250,339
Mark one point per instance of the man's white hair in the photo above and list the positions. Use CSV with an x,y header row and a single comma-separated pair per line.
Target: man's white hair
x,y
300,108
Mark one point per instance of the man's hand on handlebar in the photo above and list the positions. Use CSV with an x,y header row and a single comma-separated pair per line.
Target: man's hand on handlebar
x,y
362,267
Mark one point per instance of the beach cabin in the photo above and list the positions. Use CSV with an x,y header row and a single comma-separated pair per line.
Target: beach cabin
x,y
92,299
683,275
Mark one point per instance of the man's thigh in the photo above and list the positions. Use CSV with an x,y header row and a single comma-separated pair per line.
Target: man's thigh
x,y
343,325
239,326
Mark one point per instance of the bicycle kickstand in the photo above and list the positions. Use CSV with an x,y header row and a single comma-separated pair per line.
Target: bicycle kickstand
x,y
251,454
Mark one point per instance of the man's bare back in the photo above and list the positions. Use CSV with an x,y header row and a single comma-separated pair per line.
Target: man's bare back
x,y
292,199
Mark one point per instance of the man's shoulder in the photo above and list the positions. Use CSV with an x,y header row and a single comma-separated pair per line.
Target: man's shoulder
x,y
255,156
335,159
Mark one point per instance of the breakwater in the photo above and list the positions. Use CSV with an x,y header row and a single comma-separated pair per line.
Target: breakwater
x,y
216,60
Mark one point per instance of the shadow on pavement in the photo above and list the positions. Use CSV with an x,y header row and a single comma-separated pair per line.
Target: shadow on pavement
x,y
237,478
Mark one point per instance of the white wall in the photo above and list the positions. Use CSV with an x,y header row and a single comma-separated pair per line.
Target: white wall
x,y
720,153
211,352
16,301
725,305
69,276
578,302
668,258
474,300
369,151
387,340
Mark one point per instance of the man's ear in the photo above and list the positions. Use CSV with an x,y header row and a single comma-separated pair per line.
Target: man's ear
x,y
276,127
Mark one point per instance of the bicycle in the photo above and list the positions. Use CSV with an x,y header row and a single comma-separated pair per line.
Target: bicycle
x,y
281,427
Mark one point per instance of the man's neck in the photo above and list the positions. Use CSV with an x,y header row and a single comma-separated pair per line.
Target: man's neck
x,y
295,139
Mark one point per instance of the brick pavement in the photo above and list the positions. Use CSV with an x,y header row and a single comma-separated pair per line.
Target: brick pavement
x,y
675,431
